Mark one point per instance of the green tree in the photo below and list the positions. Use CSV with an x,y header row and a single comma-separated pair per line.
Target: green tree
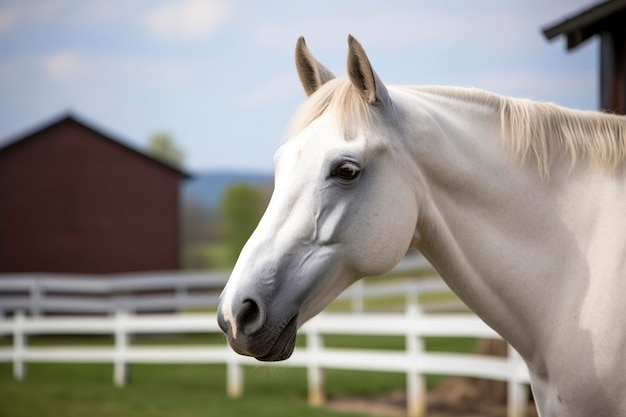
x,y
241,209
199,230
162,147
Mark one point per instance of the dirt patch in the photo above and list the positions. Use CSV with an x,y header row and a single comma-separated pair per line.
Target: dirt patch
x,y
394,404
391,404
454,397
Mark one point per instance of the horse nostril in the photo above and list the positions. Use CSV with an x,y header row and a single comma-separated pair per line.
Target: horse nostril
x,y
251,316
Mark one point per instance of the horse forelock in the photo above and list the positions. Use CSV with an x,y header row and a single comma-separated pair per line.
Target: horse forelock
x,y
341,98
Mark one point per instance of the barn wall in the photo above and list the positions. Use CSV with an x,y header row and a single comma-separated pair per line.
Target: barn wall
x,y
72,201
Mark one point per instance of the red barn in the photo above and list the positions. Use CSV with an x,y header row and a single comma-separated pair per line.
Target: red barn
x,y
73,199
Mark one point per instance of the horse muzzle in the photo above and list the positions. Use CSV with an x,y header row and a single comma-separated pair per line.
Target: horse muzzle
x,y
249,333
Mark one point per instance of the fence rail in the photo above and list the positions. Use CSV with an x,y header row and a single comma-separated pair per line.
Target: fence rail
x,y
315,357
144,292
41,293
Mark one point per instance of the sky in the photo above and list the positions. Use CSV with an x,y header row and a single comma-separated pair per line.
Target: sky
x,y
219,76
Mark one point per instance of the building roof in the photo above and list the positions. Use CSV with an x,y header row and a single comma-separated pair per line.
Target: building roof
x,y
71,118
588,22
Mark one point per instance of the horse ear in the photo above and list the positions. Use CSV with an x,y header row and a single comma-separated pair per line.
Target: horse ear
x,y
312,74
362,74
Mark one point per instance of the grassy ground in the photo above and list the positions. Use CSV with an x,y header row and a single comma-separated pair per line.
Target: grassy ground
x,y
163,390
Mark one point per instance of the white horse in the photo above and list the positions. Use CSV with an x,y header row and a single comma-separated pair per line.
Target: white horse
x,y
519,205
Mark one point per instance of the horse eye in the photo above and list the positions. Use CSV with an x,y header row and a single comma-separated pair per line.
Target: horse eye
x,y
347,171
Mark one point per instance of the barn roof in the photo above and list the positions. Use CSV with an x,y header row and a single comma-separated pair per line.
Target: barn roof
x,y
588,22
73,119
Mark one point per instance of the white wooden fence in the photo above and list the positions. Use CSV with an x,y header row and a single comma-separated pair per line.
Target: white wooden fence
x,y
315,357
147,292
41,293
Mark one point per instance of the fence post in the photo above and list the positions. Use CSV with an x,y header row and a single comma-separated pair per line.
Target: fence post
x,y
315,374
517,392
415,383
19,344
234,375
412,296
2,319
358,297
120,368
35,298
181,295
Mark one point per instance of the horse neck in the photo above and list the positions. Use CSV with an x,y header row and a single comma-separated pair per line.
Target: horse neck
x,y
489,225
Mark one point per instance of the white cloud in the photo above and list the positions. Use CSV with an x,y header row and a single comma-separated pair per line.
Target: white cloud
x,y
78,68
499,27
9,17
426,28
20,14
64,64
190,19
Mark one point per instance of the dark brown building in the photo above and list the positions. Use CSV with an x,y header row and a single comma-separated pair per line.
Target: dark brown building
x,y
73,199
608,21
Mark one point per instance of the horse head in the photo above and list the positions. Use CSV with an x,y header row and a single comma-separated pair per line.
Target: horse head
x,y
342,208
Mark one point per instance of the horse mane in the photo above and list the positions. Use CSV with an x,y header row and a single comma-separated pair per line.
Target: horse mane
x,y
537,130
544,131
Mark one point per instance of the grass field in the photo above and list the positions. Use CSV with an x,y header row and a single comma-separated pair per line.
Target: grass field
x,y
60,390
163,390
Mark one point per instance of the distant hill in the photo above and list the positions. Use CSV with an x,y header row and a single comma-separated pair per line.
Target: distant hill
x,y
207,188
